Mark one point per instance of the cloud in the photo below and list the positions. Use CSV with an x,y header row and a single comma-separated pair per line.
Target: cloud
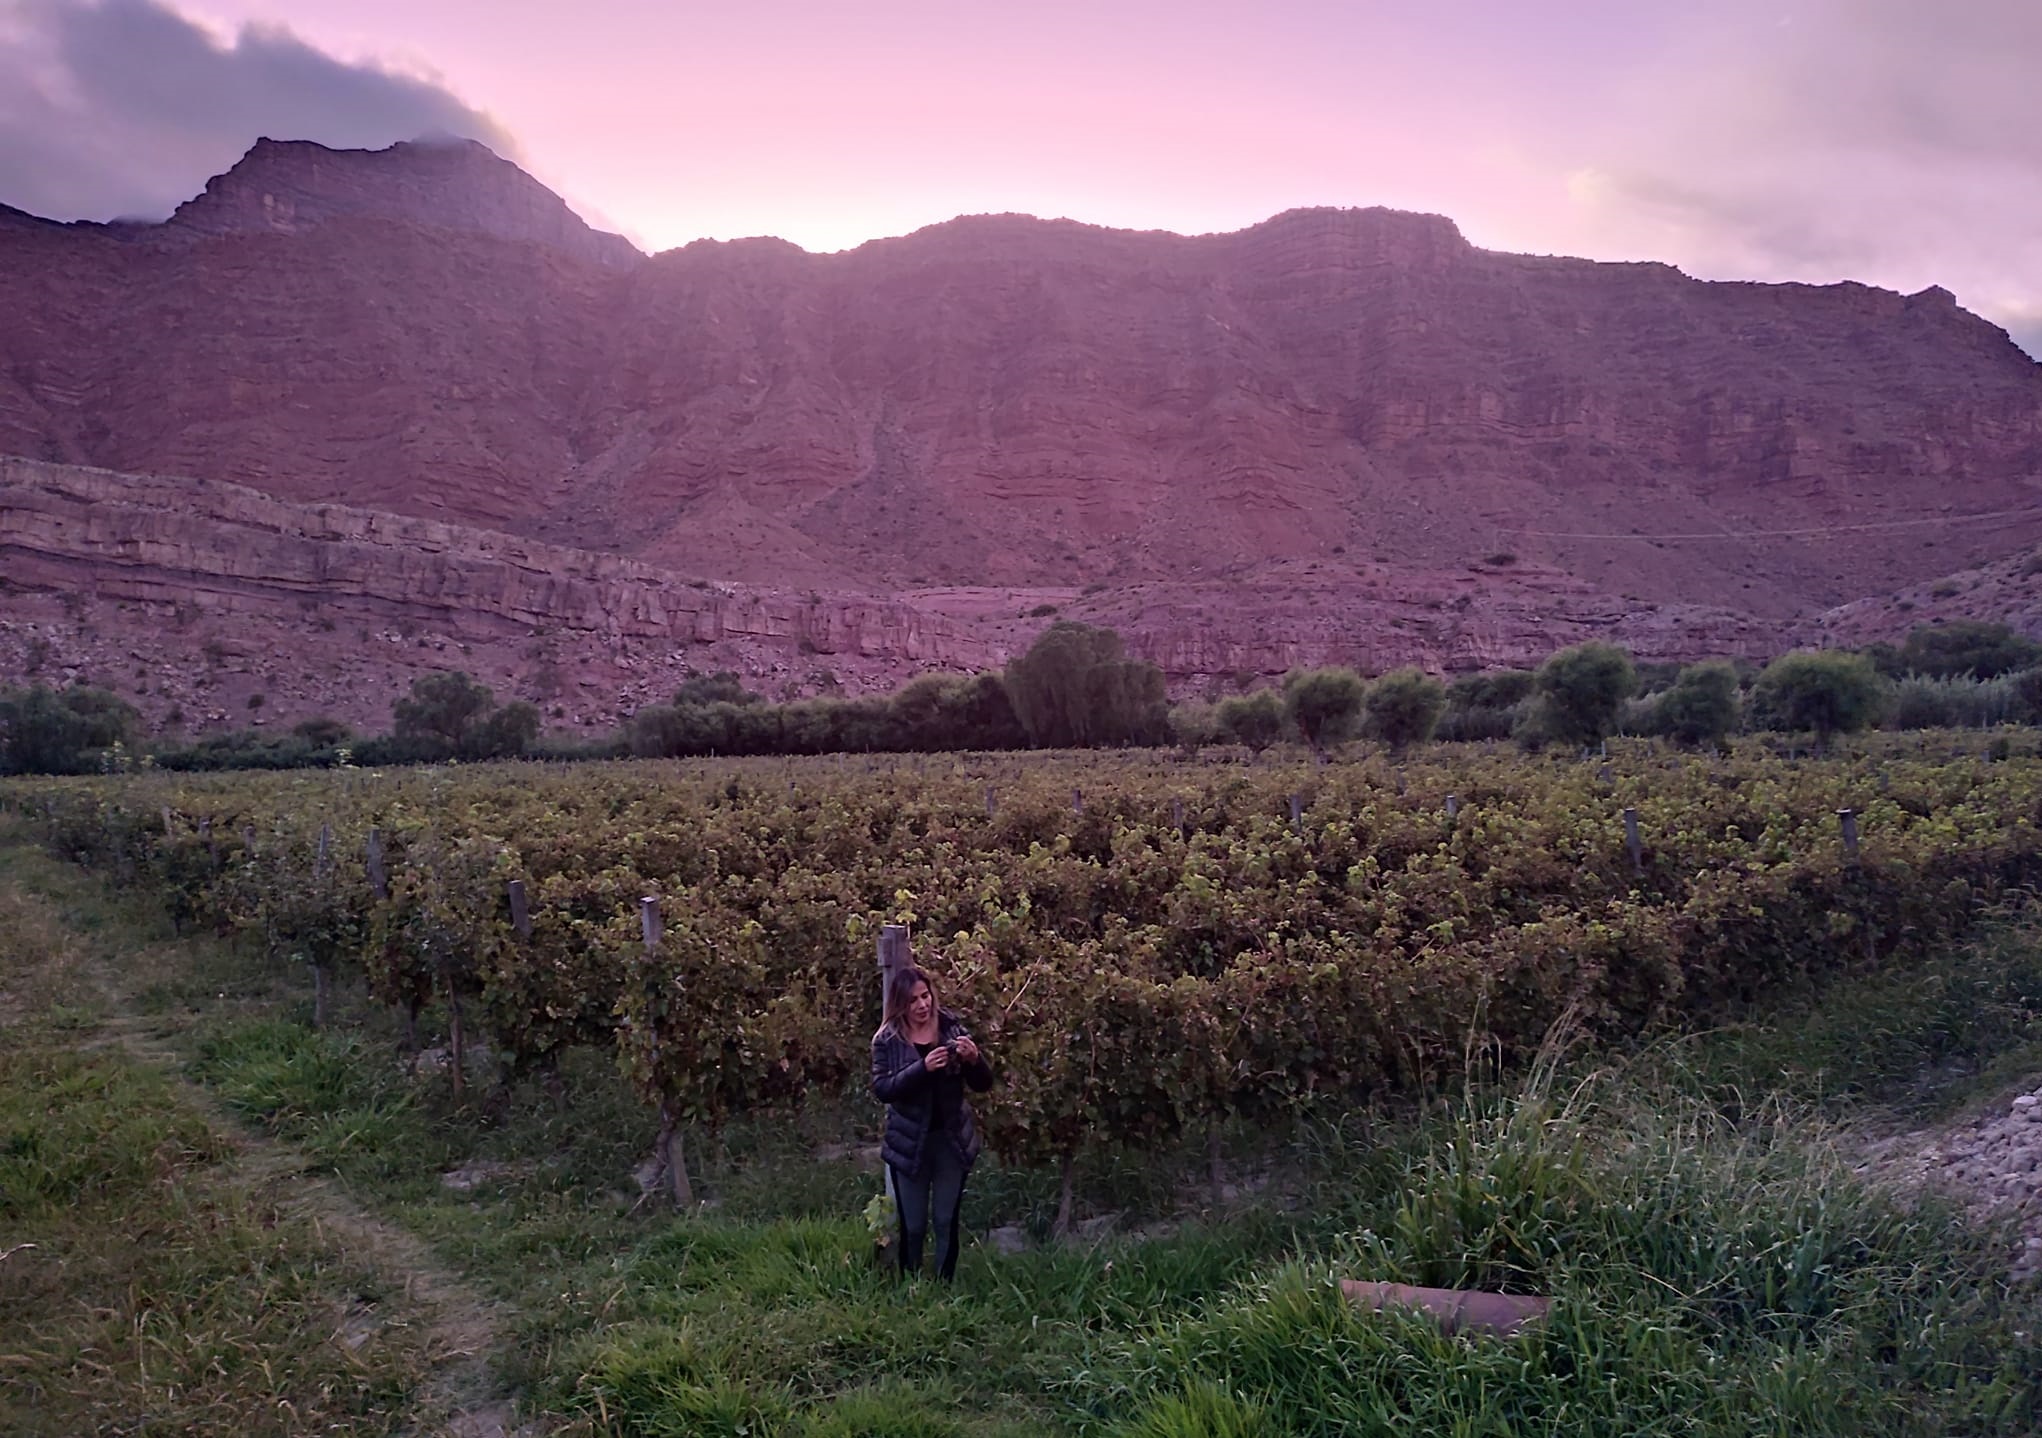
x,y
1883,140
126,107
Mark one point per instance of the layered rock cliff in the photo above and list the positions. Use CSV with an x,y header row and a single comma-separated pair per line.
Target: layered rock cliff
x,y
1011,401
459,416
335,610
210,604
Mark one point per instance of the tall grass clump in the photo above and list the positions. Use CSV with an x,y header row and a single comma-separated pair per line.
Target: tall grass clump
x,y
1711,1276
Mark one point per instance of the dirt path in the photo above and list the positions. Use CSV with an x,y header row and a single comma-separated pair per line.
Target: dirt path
x,y
1992,1162
462,1399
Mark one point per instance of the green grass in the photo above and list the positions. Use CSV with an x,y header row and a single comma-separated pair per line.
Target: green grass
x,y
1718,1267
1920,1040
144,1287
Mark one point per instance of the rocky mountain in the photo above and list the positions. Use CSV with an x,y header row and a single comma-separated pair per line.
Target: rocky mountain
x,y
209,604
289,186
1237,446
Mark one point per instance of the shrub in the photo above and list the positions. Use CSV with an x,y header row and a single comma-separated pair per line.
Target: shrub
x,y
1702,705
1959,702
43,731
1827,691
1579,693
322,732
1254,720
449,714
1323,704
1076,688
722,687
1403,707
1967,646
1193,726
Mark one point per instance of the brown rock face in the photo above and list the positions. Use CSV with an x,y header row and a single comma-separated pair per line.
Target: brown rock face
x,y
1261,444
287,187
192,597
335,610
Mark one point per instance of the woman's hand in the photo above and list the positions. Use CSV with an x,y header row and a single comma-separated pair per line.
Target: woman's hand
x,y
967,1049
937,1060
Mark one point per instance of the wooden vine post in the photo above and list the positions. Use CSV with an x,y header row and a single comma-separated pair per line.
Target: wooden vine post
x,y
1632,844
1847,823
457,1021
322,961
521,925
669,1151
894,955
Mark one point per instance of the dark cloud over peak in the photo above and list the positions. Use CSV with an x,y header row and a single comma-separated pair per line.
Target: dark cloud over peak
x,y
126,107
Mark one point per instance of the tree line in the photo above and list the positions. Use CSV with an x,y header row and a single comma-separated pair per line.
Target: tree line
x,y
1076,687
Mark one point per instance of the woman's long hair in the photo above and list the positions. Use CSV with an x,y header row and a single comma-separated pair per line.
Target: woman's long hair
x,y
900,992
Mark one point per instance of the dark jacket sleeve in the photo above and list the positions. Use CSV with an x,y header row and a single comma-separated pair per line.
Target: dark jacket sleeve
x,y
889,1083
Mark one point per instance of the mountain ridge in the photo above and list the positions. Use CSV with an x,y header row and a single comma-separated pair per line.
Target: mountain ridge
x,y
1027,405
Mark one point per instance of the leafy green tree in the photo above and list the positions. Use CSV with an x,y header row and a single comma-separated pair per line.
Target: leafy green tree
x,y
1498,689
1967,646
43,731
442,710
1253,720
1194,725
449,713
322,732
1702,705
505,733
1076,688
1324,705
1580,692
2028,688
1828,691
939,712
1403,707
1485,706
722,687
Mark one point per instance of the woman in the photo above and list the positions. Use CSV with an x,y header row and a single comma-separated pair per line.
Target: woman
x,y
922,1058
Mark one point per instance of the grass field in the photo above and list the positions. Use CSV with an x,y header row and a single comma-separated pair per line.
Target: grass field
x,y
219,1220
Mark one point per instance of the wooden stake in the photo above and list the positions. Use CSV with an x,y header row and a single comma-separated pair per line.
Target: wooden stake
x,y
379,882
521,916
1848,819
1632,842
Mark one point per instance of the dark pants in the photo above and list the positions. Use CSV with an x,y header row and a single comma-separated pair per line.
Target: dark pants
x,y
938,1194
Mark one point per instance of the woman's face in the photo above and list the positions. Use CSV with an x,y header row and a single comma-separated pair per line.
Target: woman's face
x,y
921,1006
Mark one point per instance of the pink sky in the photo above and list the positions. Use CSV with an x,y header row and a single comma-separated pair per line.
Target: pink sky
x,y
1885,140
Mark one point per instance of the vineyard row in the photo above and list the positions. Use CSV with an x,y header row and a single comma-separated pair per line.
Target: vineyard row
x,y
1169,947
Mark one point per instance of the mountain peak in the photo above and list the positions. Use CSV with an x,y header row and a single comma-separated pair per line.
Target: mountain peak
x,y
288,186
